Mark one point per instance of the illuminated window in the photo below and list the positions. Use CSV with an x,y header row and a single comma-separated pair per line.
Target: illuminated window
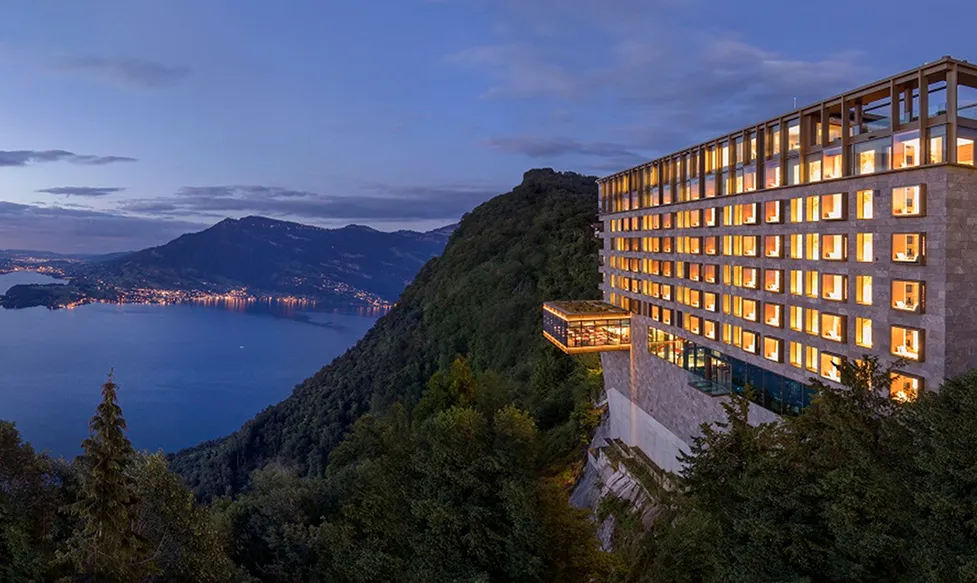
x,y
811,358
709,329
773,246
710,216
813,246
797,210
863,332
693,297
773,140
811,283
908,296
834,247
750,245
667,316
709,273
833,327
863,290
773,349
831,366
834,287
772,210
797,282
908,201
693,324
907,343
773,315
727,334
905,149
797,246
794,135
834,207
865,198
749,178
666,292
813,206
695,272
749,213
727,270
905,387
871,157
666,268
695,245
796,354
831,164
908,247
749,310
863,247
749,341
965,146
750,277
814,168
709,302
773,280
797,318
711,245
937,138
811,321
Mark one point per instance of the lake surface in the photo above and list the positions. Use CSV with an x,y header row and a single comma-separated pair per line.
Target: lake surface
x,y
186,373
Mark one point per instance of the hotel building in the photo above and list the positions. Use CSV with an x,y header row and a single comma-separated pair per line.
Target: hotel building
x,y
763,257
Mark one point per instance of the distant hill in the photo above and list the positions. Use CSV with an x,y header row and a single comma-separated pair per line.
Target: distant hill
x,y
480,298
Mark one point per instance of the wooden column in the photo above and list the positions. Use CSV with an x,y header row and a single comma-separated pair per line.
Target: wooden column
x,y
951,114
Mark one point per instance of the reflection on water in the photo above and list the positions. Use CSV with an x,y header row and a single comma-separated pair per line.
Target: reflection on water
x,y
291,309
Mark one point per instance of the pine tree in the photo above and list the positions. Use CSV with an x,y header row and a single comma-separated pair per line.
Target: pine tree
x,y
104,546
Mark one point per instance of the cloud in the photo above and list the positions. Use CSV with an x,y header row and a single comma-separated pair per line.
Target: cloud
x,y
378,202
518,70
91,191
79,230
28,157
128,71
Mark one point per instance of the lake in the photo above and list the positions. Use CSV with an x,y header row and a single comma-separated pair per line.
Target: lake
x,y
186,373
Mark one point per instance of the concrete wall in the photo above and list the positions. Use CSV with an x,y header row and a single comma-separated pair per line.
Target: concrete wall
x,y
960,256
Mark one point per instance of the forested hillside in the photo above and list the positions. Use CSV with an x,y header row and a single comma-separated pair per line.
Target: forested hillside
x,y
480,299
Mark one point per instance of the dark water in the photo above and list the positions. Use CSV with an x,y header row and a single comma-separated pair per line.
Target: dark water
x,y
186,373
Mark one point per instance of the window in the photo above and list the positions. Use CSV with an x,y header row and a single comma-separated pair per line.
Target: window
x,y
797,246
711,245
749,341
750,245
796,354
834,287
749,213
811,321
709,301
937,138
710,217
865,198
694,245
794,135
797,282
693,324
749,310
750,277
812,206
811,358
908,296
813,247
709,329
773,315
773,280
811,283
797,318
833,327
863,332
908,247
905,387
908,201
907,343
773,140
709,273
905,149
773,246
835,247
831,165
834,207
695,272
831,366
965,146
863,247
863,290
871,157
773,349
814,168
797,210
772,212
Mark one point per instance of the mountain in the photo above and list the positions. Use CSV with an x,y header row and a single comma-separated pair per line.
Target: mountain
x,y
481,298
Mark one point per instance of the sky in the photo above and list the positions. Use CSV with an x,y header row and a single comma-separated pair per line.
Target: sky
x,y
124,124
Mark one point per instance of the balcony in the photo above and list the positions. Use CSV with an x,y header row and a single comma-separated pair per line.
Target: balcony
x,y
586,326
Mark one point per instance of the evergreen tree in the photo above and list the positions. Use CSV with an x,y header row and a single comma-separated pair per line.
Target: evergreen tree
x,y
104,547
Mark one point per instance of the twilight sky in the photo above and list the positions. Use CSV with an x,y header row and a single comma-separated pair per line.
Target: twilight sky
x,y
124,124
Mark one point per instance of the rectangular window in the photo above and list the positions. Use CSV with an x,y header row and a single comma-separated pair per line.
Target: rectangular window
x,y
865,198
693,324
834,207
773,280
908,296
908,247
813,246
834,247
937,138
749,213
908,201
905,387
871,157
811,284
831,366
797,282
797,246
710,217
797,210
794,135
796,354
812,204
695,272
797,318
831,164
965,146
749,310
811,321
709,273
773,349
750,245
905,149
863,290
863,332
749,341
709,301
772,212
833,327
811,358
750,277
773,315
907,343
711,245
834,287
773,246
773,140
814,168
863,244
709,329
